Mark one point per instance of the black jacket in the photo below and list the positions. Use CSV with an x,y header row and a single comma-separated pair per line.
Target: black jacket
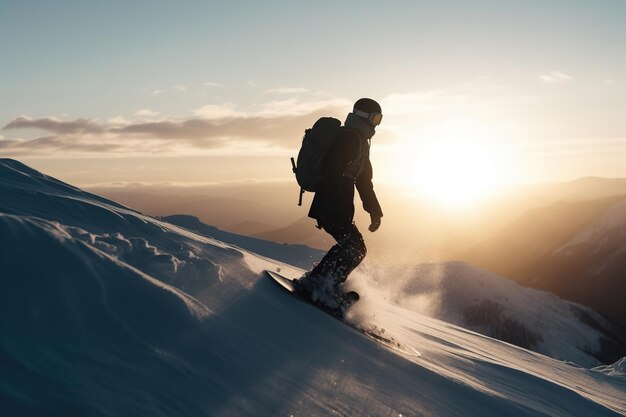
x,y
333,203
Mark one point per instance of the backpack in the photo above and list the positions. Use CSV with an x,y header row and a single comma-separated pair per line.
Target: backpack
x,y
315,145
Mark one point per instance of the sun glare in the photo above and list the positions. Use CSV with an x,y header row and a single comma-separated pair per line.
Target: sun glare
x,y
454,172
455,166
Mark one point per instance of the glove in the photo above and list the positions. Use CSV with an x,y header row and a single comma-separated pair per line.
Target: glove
x,y
375,222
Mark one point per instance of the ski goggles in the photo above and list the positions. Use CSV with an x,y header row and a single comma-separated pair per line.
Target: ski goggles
x,y
374,118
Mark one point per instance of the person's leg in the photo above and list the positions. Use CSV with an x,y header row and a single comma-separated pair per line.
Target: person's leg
x,y
352,252
324,268
344,256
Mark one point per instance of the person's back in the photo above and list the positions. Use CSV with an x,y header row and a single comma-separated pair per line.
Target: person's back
x,y
347,165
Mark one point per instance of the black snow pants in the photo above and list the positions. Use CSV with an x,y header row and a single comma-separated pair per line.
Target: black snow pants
x,y
344,256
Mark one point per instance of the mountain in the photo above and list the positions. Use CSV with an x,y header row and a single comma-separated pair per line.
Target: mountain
x,y
250,227
587,188
302,231
229,207
573,249
107,312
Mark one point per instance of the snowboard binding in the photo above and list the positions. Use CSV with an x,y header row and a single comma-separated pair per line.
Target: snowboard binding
x,y
329,298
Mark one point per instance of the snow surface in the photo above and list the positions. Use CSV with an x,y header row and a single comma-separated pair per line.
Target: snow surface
x,y
468,296
107,312
477,299
298,255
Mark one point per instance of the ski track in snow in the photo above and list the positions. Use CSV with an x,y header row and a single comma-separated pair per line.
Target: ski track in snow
x,y
113,312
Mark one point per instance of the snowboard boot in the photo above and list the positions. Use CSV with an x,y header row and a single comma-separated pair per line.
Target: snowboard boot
x,y
326,292
318,290
305,286
347,300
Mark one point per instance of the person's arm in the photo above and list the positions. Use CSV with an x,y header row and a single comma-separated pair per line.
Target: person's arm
x,y
366,191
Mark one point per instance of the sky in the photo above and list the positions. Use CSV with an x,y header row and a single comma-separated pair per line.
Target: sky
x,y
475,95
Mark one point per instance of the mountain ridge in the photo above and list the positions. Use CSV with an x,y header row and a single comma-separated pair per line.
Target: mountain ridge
x,y
555,249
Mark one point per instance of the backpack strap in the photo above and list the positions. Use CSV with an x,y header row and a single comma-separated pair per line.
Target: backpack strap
x,y
294,168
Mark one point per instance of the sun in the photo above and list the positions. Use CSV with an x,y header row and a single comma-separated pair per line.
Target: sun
x,y
454,172
456,165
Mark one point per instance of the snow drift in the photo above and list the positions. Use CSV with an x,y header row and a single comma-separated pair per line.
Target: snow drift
x,y
106,312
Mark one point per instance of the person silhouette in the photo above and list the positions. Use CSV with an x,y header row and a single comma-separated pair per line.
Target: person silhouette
x,y
346,165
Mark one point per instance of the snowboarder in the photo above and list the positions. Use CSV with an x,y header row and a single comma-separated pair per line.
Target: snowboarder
x,y
346,165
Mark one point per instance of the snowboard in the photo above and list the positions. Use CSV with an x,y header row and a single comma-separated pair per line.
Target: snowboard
x,y
344,302
351,297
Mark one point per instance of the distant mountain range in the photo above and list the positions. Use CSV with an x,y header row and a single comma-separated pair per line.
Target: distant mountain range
x,y
586,188
301,231
575,249
230,210
412,230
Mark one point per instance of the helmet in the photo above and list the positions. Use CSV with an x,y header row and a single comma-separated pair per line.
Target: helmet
x,y
368,109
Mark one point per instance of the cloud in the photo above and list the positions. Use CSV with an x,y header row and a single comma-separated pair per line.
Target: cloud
x,y
555,77
54,125
573,146
118,120
417,102
218,111
212,84
146,113
294,106
286,90
212,128
161,91
50,144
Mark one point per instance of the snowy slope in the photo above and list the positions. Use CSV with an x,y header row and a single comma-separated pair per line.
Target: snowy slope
x,y
298,255
108,312
479,300
469,297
